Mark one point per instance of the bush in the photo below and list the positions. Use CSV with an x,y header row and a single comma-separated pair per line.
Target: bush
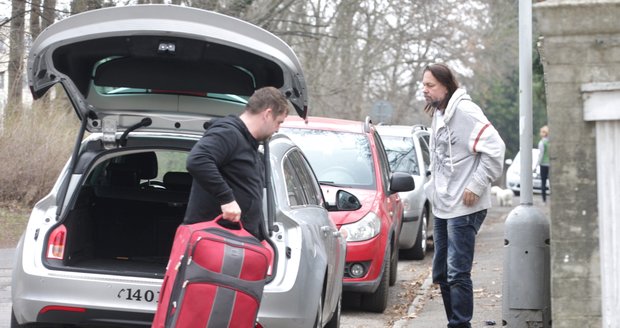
x,y
35,143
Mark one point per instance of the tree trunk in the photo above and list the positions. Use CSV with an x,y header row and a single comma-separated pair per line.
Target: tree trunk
x,y
16,55
78,6
35,18
48,16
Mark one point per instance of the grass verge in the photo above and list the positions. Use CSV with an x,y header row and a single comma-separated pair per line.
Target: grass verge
x,y
13,220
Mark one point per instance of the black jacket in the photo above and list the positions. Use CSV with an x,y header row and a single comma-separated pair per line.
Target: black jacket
x,y
226,166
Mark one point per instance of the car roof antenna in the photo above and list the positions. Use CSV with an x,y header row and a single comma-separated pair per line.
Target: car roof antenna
x,y
144,122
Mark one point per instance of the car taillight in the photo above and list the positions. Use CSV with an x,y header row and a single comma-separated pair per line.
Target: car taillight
x,y
56,243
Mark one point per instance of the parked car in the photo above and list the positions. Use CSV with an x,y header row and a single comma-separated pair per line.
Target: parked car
x,y
407,150
349,155
513,174
146,81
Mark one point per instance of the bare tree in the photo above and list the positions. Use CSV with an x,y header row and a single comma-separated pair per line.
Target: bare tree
x,y
16,54
78,6
48,16
358,52
35,18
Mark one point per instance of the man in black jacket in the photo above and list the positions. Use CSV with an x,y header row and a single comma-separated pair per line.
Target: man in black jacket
x,y
227,168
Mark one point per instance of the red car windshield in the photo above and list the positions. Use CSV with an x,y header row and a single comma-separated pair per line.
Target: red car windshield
x,y
337,158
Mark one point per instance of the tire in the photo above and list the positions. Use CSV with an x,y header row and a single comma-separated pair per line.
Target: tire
x,y
418,251
334,322
377,301
394,264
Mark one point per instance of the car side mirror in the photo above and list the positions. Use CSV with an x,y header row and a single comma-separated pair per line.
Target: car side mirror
x,y
400,181
345,201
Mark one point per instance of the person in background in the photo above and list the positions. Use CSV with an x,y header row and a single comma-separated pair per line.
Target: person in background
x,y
467,155
227,169
543,161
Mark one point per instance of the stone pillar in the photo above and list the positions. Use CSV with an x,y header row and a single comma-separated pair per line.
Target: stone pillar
x,y
602,106
580,44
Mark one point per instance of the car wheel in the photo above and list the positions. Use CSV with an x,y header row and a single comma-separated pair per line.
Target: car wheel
x,y
418,251
319,313
377,301
334,322
394,264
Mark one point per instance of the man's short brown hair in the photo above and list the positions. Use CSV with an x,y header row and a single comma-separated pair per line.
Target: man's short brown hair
x,y
268,97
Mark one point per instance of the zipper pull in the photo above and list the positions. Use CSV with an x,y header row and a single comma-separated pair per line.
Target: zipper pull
x,y
176,268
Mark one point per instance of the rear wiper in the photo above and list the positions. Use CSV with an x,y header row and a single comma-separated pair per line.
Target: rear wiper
x,y
145,122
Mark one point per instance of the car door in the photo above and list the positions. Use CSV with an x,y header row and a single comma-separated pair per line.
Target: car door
x,y
307,192
425,163
393,203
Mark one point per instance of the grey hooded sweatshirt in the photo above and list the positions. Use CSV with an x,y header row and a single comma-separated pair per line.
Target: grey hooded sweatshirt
x,y
466,152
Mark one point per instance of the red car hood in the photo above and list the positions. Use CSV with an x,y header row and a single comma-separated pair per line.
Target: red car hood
x,y
365,196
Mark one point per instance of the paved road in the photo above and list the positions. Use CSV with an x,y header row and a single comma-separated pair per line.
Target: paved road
x,y
410,276
6,263
412,285
352,317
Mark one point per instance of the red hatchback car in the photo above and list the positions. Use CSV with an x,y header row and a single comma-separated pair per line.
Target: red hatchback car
x,y
349,155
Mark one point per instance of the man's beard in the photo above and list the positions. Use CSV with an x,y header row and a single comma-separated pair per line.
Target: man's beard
x,y
434,103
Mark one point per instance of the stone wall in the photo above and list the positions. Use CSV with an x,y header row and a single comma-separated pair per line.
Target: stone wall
x,y
580,44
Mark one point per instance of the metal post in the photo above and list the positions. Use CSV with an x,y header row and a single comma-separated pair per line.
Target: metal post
x,y
525,99
526,275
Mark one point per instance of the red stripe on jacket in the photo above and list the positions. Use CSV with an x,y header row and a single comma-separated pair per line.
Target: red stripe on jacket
x,y
479,134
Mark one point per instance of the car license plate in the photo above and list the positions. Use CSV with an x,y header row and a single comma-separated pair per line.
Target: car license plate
x,y
138,295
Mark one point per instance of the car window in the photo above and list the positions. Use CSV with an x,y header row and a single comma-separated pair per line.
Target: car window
x,y
309,184
294,189
337,158
119,90
383,161
401,154
136,169
171,161
426,154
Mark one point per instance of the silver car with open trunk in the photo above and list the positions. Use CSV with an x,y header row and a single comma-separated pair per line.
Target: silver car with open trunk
x,y
145,82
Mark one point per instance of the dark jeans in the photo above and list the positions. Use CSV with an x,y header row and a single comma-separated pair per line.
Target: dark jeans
x,y
544,175
455,240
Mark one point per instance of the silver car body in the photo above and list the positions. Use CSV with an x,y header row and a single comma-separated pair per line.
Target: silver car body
x,y
408,151
305,282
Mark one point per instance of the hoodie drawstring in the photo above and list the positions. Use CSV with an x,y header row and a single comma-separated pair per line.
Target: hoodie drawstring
x,y
450,148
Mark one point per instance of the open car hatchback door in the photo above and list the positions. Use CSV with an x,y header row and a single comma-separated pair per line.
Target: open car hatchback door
x,y
175,65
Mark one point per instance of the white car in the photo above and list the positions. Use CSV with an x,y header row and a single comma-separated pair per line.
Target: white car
x,y
513,174
408,151
146,81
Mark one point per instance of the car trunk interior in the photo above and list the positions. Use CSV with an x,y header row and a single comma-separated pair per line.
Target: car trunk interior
x,y
122,225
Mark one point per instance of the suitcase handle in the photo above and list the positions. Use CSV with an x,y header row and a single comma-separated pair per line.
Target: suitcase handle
x,y
228,224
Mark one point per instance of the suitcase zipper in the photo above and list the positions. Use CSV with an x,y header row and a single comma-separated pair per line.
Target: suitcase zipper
x,y
176,268
224,233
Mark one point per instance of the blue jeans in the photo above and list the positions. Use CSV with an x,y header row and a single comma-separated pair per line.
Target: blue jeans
x,y
455,240
544,175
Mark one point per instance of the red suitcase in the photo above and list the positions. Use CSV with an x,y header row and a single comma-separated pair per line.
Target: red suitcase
x,y
214,278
